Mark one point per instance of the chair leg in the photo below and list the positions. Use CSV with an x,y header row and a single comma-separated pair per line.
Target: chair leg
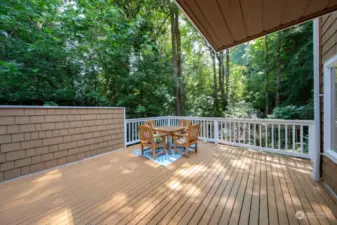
x,y
186,151
165,145
142,149
153,152
164,148
196,148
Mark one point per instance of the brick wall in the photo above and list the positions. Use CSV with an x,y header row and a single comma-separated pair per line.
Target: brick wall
x,y
34,139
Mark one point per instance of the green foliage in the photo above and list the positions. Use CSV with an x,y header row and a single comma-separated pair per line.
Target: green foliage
x,y
291,112
118,53
241,109
296,66
84,53
238,83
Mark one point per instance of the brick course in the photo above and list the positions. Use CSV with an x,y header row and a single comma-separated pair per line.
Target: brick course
x,y
34,139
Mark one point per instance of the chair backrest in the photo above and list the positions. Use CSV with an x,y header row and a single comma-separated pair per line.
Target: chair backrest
x,y
193,132
145,134
185,123
150,123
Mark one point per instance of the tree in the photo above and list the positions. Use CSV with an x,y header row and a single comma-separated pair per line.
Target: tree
x,y
178,81
227,76
145,56
266,73
174,58
221,68
278,68
179,62
215,85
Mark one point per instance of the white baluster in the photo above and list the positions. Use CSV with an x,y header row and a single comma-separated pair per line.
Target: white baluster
x,y
249,124
294,139
301,137
239,132
279,137
254,134
216,132
272,136
266,130
234,132
132,131
244,132
204,129
128,131
230,131
260,132
221,130
286,137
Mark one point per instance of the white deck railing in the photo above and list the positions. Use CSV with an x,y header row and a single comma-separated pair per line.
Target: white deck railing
x,y
288,137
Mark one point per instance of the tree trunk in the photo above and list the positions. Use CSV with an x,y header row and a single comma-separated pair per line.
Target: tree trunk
x,y
278,69
227,76
266,73
174,58
215,86
221,78
179,65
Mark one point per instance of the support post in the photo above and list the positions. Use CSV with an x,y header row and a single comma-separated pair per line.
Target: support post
x,y
314,152
316,133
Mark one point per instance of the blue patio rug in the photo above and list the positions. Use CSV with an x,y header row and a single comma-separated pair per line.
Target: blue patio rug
x,y
163,159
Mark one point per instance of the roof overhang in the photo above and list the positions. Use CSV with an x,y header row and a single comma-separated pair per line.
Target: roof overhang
x,y
226,23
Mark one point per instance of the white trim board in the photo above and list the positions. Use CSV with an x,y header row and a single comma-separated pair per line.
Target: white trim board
x,y
329,108
316,154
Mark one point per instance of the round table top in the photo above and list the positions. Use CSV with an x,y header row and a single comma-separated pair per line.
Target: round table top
x,y
169,129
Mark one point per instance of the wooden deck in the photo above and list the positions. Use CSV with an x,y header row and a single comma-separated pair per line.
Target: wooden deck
x,y
218,185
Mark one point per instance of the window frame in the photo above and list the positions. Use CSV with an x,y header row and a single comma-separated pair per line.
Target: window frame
x,y
330,79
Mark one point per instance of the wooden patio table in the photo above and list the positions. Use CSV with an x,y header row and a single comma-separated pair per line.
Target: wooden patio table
x,y
169,131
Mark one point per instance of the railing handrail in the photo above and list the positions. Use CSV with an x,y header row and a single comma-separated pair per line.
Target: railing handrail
x,y
147,118
248,120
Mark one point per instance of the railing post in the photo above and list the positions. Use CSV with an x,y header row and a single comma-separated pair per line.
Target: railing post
x,y
125,128
314,152
169,121
310,143
216,131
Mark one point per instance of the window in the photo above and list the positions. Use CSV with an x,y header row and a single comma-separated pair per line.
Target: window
x,y
330,108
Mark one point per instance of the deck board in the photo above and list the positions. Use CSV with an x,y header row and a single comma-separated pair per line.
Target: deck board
x,y
218,185
255,206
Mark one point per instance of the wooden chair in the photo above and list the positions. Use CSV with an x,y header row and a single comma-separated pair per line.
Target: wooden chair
x,y
149,139
188,139
151,123
185,123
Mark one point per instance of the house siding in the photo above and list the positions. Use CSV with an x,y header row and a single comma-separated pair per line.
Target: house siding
x,y
34,139
328,48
